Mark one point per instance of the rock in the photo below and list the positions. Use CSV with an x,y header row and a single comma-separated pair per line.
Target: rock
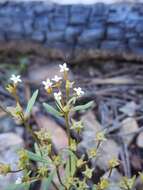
x,y
39,73
116,26
114,177
9,144
55,36
129,109
8,125
58,24
139,27
97,24
131,35
113,186
140,140
38,36
98,10
60,12
108,150
5,23
118,14
78,19
41,7
77,9
91,35
112,44
28,27
129,125
79,15
41,23
114,33
136,45
15,30
71,34
91,125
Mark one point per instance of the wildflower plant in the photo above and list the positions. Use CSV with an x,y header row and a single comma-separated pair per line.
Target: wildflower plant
x,y
49,161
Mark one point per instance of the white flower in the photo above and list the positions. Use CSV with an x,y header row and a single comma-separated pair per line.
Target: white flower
x,y
47,84
63,68
18,180
79,91
56,78
58,96
15,79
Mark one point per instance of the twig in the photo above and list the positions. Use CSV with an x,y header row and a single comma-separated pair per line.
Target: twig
x,y
125,159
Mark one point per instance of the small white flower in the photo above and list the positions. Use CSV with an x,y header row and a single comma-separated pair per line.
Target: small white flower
x,y
15,79
63,68
79,91
58,95
18,180
47,84
56,78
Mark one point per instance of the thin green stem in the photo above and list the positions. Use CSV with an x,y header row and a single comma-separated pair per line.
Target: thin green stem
x,y
110,172
68,128
69,136
99,142
27,126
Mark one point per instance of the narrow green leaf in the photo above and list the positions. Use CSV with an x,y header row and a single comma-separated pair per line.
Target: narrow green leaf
x,y
72,100
18,187
61,187
47,181
37,149
71,168
31,102
51,110
37,158
84,107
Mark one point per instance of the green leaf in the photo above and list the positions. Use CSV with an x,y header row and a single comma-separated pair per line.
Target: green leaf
x,y
94,187
37,149
18,186
37,158
84,107
71,164
72,101
31,102
47,181
51,110
61,187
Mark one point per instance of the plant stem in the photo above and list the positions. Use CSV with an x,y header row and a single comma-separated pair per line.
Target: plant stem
x,y
55,185
110,172
16,171
59,177
68,128
27,126
69,137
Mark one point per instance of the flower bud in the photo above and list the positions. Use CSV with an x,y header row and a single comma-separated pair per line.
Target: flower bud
x,y
5,169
